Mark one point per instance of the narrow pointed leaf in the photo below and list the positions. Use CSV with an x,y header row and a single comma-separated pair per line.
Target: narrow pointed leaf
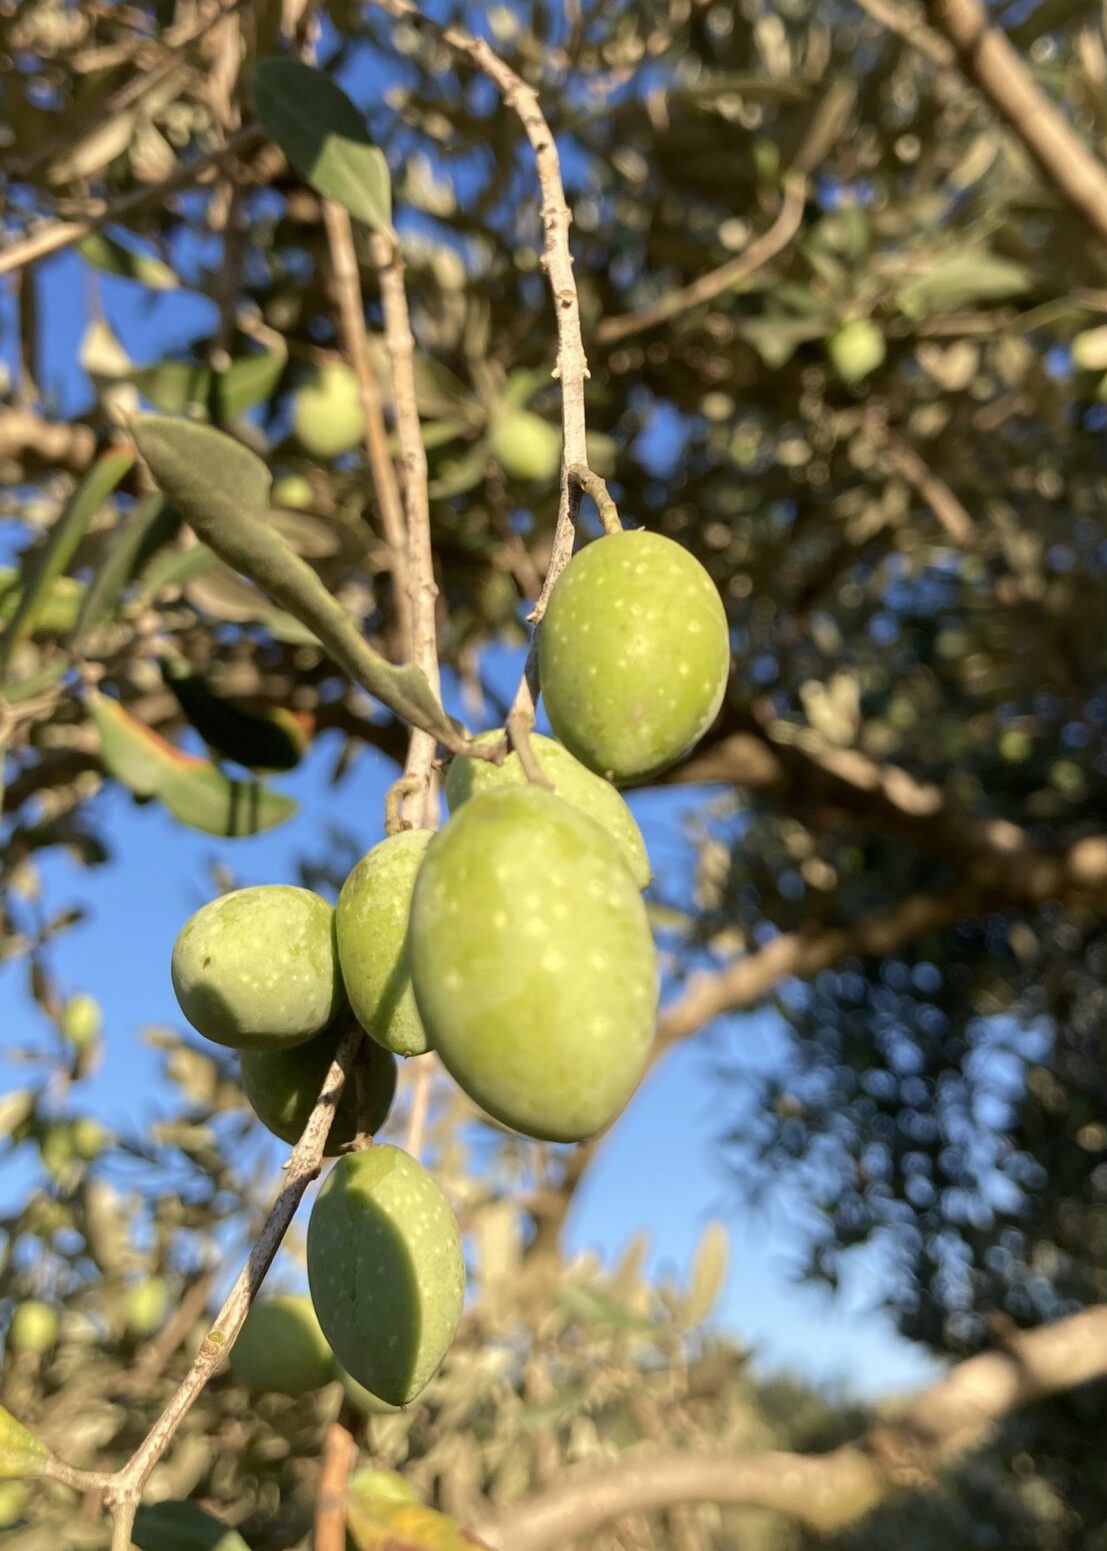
x,y
116,566
222,490
52,557
708,1273
104,253
192,789
249,381
259,740
381,1523
324,137
174,386
57,608
179,1526
21,1453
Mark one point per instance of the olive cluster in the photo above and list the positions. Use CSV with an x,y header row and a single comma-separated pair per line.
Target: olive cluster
x,y
515,944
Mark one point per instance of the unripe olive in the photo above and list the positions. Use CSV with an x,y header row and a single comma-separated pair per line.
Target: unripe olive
x,y
82,1020
88,1138
34,1328
283,1087
56,1147
570,779
371,922
281,1348
146,1305
14,1497
633,654
533,964
525,446
326,412
386,1270
294,492
363,1399
257,969
856,349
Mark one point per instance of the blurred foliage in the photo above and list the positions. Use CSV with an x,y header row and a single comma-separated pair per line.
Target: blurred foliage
x,y
948,1102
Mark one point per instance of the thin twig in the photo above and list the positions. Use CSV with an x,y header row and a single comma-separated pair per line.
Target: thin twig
x,y
594,486
56,235
351,311
339,1454
572,366
713,284
910,27
423,592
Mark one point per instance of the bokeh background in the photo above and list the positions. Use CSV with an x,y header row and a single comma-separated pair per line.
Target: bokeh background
x,y
886,444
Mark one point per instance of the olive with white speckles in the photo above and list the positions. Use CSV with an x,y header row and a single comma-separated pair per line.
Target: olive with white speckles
x,y
570,779
386,1271
371,923
281,1348
257,969
633,654
533,964
284,1085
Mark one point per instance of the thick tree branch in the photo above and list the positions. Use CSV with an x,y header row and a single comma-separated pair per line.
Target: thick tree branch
x,y
825,1492
989,60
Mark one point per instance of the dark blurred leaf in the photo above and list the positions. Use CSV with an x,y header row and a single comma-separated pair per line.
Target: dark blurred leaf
x,y
115,566
260,741
324,137
177,1526
960,279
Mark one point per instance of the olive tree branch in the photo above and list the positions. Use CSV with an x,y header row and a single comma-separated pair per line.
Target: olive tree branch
x,y
988,58
122,1490
594,486
339,1454
825,1492
419,768
571,368
55,235
351,314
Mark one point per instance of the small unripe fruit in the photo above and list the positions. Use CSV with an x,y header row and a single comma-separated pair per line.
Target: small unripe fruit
x,y
284,1085
14,1497
326,412
533,964
386,1270
281,1348
371,924
257,969
525,446
294,492
633,654
146,1305
856,349
362,1398
88,1138
56,1148
570,779
34,1328
82,1020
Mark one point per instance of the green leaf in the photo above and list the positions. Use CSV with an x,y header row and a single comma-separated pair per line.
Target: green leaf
x,y
57,609
260,741
222,490
174,570
192,789
324,137
180,1526
21,1453
591,1307
104,253
116,565
776,340
174,386
51,558
960,280
378,1522
246,382
708,1273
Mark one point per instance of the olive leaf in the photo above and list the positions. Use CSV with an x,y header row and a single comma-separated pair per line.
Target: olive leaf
x,y
324,137
222,490
115,566
266,740
383,1522
104,253
181,1526
51,558
192,789
21,1453
708,1273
